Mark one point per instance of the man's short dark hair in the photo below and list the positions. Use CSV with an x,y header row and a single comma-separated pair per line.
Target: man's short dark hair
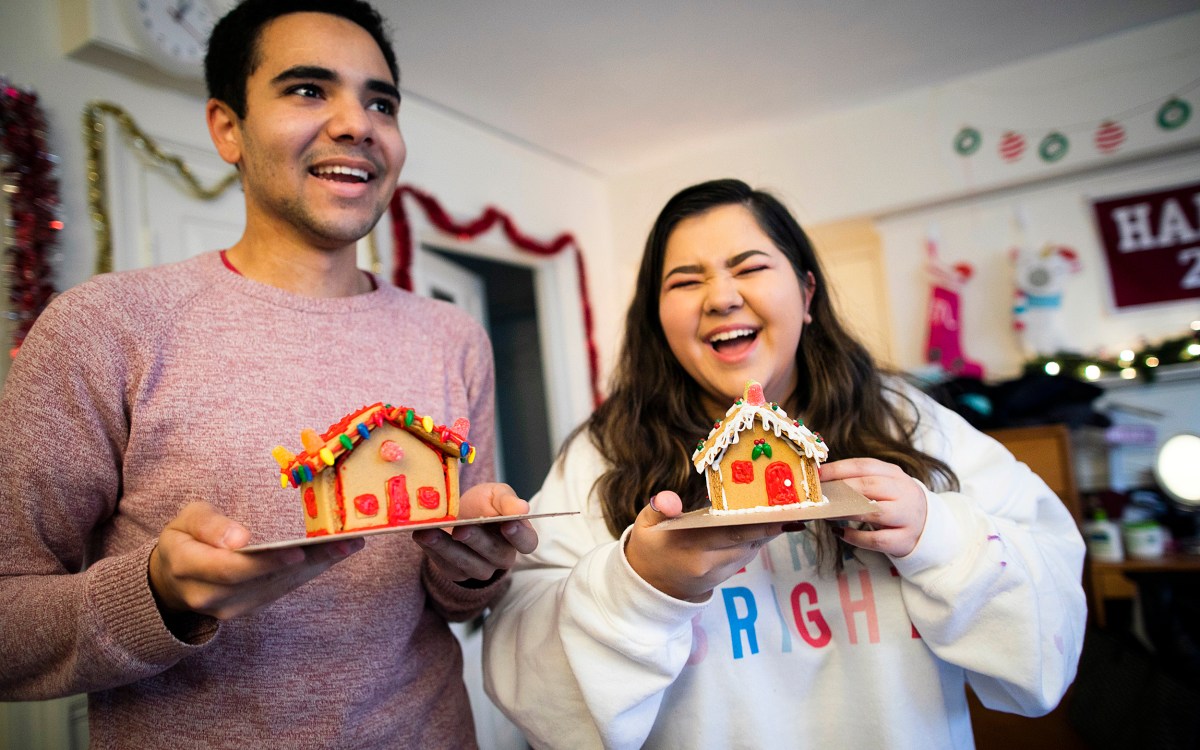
x,y
233,45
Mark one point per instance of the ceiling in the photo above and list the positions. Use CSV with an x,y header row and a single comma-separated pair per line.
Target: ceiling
x,y
608,85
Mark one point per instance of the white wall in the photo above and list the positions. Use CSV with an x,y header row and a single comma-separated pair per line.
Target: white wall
x,y
983,230
893,161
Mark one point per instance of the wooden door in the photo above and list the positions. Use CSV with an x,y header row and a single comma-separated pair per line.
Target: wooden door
x,y
851,253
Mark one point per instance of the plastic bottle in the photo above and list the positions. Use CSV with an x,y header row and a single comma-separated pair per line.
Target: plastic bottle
x,y
1103,538
1145,540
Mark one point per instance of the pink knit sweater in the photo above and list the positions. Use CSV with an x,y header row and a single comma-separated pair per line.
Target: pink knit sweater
x,y
137,393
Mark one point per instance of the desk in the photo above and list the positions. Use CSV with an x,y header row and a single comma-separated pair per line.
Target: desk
x,y
1111,580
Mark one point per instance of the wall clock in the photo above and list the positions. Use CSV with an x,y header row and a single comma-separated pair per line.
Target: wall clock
x,y
173,34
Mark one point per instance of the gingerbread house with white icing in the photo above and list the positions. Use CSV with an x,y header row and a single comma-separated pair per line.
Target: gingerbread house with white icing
x,y
757,458
379,466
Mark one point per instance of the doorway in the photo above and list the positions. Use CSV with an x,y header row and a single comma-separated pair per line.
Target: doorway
x,y
502,297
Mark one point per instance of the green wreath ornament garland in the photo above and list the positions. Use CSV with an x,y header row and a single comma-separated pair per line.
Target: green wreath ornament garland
x,y
1053,147
967,141
1173,114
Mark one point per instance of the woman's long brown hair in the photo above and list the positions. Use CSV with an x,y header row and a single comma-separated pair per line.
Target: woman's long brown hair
x,y
653,418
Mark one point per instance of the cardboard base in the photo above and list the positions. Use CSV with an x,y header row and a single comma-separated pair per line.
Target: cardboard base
x,y
305,541
843,502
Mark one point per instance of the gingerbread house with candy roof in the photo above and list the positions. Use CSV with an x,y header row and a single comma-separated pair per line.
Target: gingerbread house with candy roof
x,y
379,466
757,458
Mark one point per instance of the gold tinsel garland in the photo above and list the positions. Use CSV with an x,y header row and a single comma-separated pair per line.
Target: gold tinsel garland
x,y
93,136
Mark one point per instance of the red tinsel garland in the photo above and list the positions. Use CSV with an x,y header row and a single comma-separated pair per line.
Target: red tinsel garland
x,y
26,171
437,216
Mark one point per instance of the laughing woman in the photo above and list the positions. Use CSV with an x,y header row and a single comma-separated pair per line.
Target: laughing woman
x,y
617,635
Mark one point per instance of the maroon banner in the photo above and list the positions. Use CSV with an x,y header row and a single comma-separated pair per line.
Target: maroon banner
x,y
1152,242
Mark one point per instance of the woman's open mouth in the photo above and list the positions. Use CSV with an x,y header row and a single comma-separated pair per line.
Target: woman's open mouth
x,y
733,342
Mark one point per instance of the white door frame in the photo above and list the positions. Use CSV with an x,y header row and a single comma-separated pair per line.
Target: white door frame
x,y
468,292
563,337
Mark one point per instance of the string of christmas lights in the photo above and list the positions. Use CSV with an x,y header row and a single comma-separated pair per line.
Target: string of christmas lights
x,y
1144,363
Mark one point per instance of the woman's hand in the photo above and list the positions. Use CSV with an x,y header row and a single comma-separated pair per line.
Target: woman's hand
x,y
689,563
897,526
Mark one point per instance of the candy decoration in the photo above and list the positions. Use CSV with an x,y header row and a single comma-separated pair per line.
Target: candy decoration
x,y
362,430
967,141
427,424
283,480
327,456
345,441
462,426
754,394
390,451
1053,147
311,440
1173,114
1012,145
1109,137
471,456
409,416
464,449
283,456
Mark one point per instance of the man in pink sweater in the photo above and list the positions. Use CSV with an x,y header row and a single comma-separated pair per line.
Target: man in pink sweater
x,y
140,416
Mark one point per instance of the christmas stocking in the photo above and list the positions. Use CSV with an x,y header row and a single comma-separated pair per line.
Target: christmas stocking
x,y
944,345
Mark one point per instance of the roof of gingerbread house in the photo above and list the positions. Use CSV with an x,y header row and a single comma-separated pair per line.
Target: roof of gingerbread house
x,y
322,451
742,415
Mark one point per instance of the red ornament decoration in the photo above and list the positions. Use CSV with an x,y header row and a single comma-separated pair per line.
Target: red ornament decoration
x,y
402,274
27,175
1012,145
1109,137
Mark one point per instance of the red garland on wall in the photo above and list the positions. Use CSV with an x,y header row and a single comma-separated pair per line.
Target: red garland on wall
x,y
27,175
402,275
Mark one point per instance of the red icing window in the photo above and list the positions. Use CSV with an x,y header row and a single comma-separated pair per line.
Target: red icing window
x,y
743,472
366,505
399,506
310,502
429,497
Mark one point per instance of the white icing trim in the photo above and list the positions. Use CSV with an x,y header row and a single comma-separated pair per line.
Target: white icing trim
x,y
769,508
740,417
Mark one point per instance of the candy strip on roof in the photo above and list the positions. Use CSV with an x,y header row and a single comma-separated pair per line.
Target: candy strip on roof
x,y
322,451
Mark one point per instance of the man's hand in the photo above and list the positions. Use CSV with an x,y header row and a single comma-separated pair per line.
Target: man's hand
x,y
477,552
196,568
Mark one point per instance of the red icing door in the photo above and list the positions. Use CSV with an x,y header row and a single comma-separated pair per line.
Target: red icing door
x,y
781,485
399,505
